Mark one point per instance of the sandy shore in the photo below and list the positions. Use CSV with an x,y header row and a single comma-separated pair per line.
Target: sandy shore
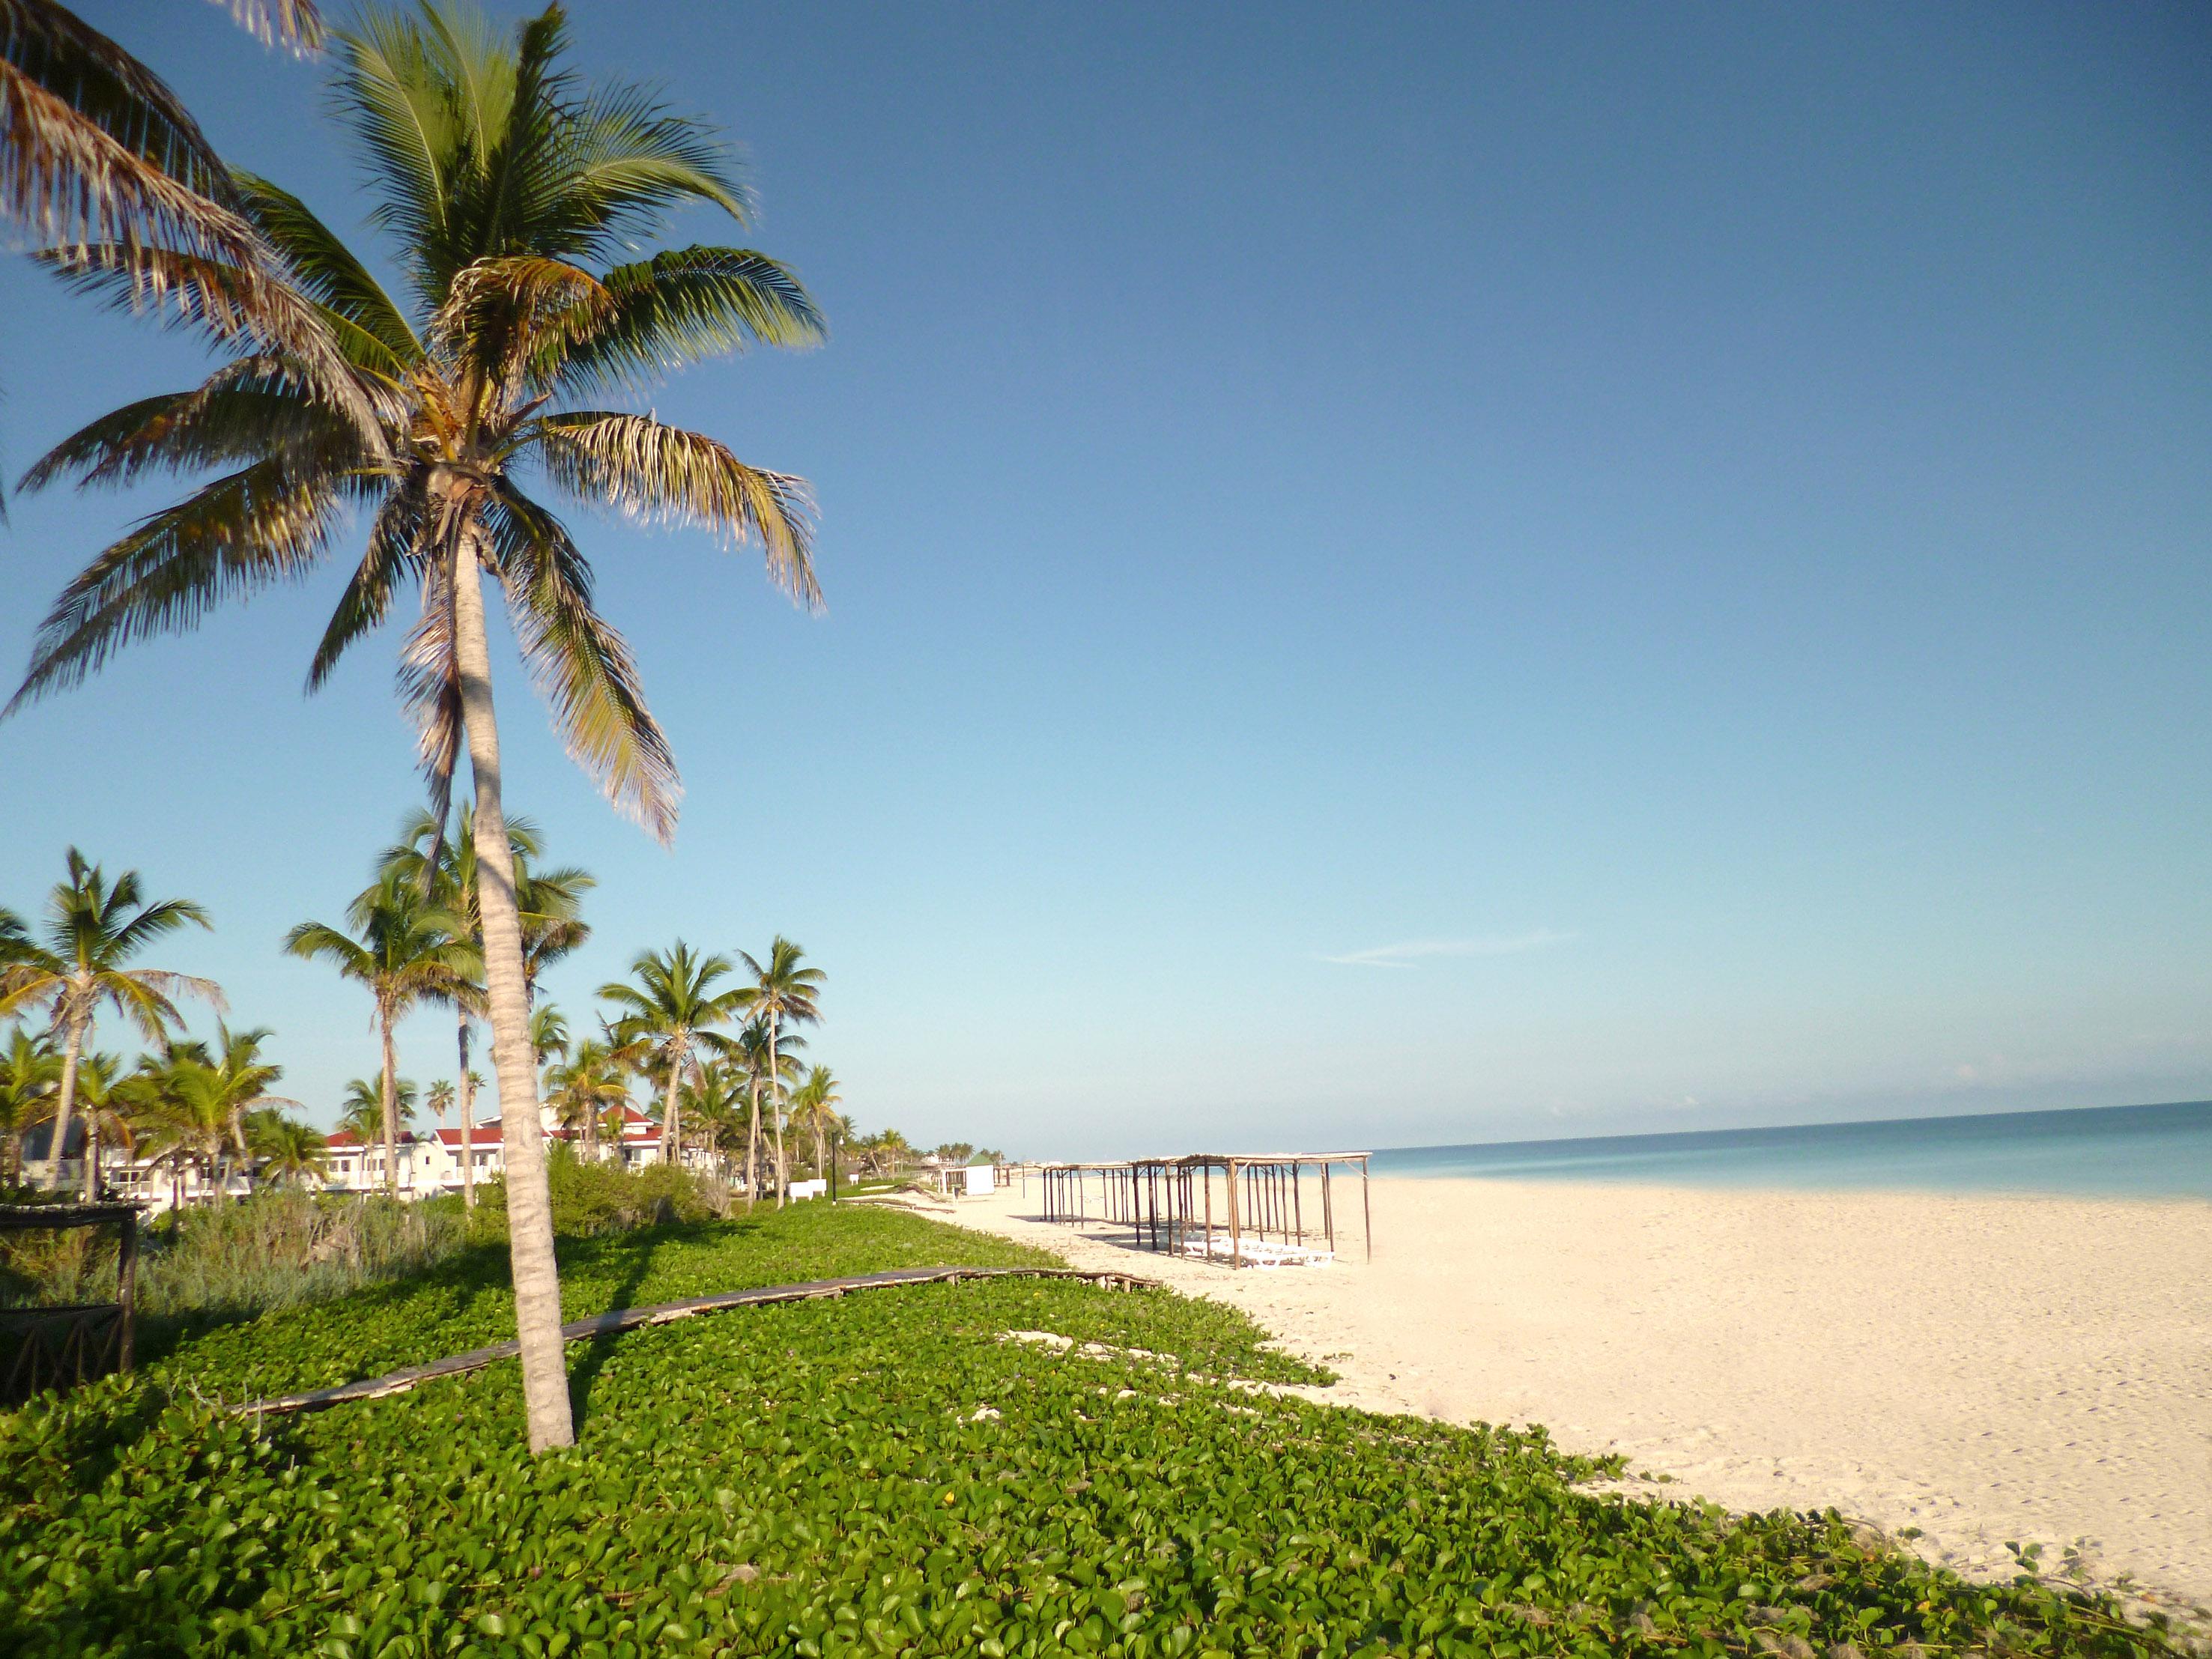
x,y
1983,1369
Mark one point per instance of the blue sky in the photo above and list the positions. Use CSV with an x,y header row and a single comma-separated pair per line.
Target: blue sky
x,y
1395,576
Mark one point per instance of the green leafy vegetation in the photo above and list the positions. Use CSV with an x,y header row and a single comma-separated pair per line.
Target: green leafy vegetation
x,y
893,1472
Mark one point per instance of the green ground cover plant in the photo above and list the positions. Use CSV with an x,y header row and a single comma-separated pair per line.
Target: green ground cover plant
x,y
891,1473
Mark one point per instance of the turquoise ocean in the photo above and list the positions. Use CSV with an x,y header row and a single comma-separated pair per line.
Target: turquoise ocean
x,y
2129,1152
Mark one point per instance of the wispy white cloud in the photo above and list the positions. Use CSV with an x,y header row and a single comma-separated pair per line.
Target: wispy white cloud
x,y
1413,951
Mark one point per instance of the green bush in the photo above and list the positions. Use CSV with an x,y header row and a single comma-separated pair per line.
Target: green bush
x,y
277,1249
591,1199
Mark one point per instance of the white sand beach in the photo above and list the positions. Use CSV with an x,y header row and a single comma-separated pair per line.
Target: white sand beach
x,y
1983,1369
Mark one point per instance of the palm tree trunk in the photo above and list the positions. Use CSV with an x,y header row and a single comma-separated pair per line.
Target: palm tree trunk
x,y
671,1130
91,1160
390,1090
752,1150
775,1105
468,1123
65,1102
522,1136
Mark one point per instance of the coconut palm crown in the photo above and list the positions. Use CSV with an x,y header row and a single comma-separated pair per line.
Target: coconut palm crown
x,y
77,966
670,1010
508,189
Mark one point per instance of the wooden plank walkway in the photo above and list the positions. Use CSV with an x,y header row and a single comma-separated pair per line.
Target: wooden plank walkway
x,y
663,1313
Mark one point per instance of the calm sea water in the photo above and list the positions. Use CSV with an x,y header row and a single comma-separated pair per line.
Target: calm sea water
x,y
2140,1152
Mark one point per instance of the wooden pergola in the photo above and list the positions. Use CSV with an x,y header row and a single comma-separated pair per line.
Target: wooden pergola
x,y
1169,1202
58,1347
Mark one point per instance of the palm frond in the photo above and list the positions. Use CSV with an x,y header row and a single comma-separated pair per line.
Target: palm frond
x,y
664,473
402,113
247,412
582,666
260,525
398,548
293,23
678,306
325,270
235,296
95,144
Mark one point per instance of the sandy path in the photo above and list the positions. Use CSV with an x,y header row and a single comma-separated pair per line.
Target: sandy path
x,y
1983,1369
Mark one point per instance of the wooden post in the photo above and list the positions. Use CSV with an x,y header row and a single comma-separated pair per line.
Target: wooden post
x,y
1328,1213
1366,1210
1236,1222
1298,1204
126,1285
1205,1170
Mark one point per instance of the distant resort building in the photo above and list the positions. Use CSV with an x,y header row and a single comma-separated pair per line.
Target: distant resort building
x,y
427,1164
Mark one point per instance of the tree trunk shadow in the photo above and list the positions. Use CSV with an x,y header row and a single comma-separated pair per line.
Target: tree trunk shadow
x,y
584,1373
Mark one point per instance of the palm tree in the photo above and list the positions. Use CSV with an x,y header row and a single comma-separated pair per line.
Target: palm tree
x,y
751,1055
108,1111
406,955
547,903
673,1008
291,1153
548,1034
361,1111
814,1107
243,1078
515,193
713,1104
784,994
583,1088
29,1070
92,930
439,1098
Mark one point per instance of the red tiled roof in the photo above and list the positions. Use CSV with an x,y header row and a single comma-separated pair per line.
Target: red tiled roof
x,y
480,1134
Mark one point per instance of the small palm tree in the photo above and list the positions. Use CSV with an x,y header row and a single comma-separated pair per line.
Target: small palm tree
x,y
755,1059
92,931
673,1008
360,1109
583,1089
243,1078
547,904
783,993
291,1153
814,1109
406,955
30,1067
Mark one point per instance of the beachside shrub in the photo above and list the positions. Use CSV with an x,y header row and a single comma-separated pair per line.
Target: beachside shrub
x,y
278,1247
897,1472
594,1198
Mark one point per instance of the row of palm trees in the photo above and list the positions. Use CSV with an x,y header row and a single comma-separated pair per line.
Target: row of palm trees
x,y
516,200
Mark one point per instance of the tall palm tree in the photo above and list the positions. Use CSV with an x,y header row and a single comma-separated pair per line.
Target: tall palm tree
x,y
784,994
30,1067
406,955
291,1153
673,1008
814,1109
515,194
92,930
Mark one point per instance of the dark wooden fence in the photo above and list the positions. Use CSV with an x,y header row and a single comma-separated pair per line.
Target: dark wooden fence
x,y
60,1347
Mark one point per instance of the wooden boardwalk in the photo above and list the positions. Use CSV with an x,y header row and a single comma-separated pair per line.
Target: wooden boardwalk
x,y
663,1313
